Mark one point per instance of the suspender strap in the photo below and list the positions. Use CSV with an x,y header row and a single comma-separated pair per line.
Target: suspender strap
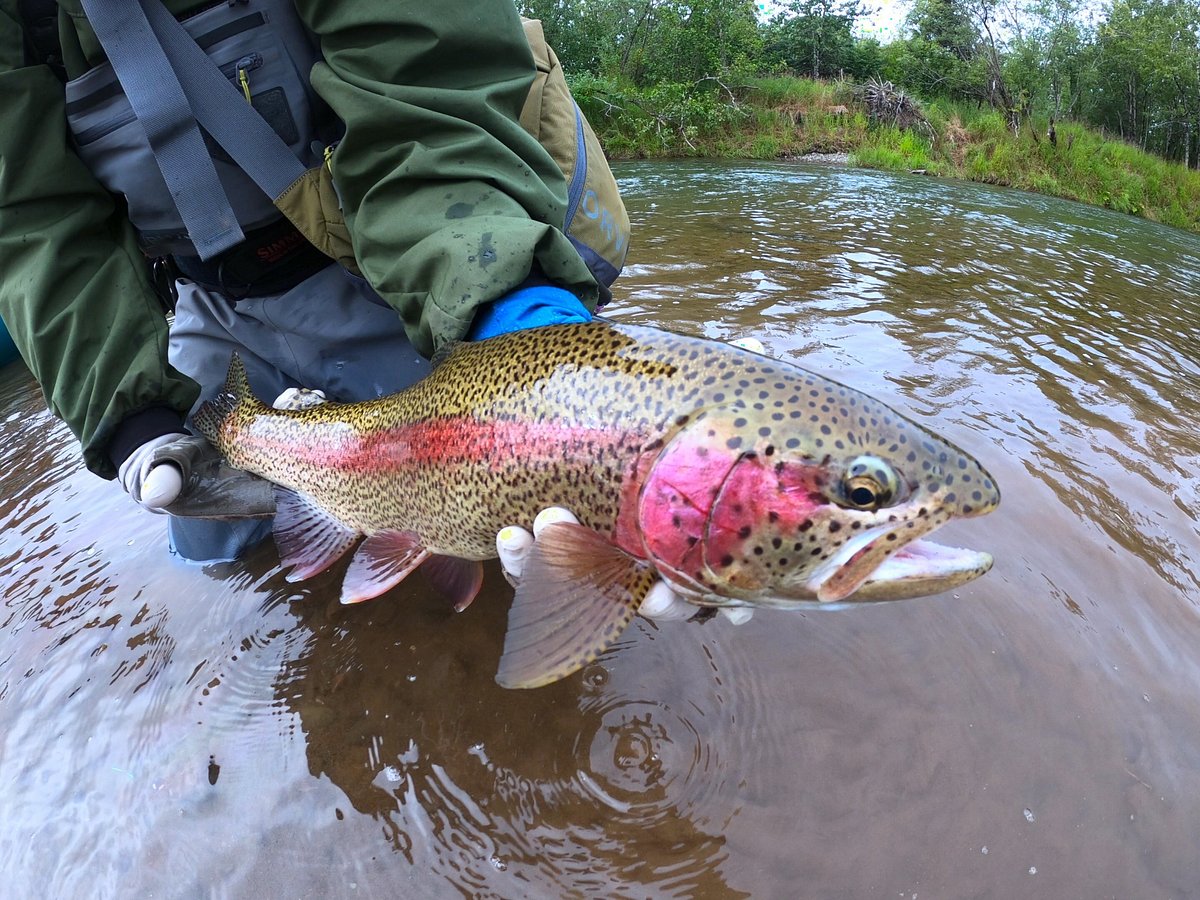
x,y
222,109
160,105
174,87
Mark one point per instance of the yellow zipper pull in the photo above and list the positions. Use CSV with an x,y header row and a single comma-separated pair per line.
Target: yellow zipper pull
x,y
244,81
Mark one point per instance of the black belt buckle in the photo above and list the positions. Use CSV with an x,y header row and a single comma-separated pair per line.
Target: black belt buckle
x,y
163,273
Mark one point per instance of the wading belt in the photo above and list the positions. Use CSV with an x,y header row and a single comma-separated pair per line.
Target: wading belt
x,y
174,88
271,260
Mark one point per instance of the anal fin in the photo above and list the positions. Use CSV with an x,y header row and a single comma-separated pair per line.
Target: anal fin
x,y
457,579
577,594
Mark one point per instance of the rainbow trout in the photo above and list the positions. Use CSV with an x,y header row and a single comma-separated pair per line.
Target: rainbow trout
x,y
739,479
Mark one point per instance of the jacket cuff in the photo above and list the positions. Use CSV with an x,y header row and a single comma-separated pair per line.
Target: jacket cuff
x,y
140,427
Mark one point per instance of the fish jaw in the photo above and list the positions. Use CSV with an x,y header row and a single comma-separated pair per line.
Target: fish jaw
x,y
920,568
894,563
923,568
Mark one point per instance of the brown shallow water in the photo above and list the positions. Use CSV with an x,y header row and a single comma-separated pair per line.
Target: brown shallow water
x,y
177,731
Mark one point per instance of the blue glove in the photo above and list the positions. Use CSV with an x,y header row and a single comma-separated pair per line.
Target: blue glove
x,y
529,307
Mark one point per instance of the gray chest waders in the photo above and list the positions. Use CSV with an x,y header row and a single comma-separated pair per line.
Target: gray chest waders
x,y
174,89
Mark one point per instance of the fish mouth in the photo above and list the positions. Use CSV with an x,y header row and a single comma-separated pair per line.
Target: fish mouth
x,y
920,569
871,568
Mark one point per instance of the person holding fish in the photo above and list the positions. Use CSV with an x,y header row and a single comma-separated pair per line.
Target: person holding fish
x,y
415,154
333,194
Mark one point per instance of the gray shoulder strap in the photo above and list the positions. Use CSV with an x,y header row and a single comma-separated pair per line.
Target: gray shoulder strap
x,y
174,89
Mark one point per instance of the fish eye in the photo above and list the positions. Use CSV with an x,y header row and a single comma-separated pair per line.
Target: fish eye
x,y
870,483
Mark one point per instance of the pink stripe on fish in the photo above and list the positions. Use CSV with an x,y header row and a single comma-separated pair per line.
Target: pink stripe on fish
x,y
432,443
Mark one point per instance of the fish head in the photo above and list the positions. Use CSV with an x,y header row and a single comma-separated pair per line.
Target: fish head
x,y
752,505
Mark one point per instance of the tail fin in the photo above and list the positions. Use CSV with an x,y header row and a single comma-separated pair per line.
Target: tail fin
x,y
236,394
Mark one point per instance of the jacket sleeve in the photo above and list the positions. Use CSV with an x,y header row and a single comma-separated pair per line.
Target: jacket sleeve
x,y
75,293
450,203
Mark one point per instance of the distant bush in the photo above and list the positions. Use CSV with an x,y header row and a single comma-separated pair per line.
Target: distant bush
x,y
771,118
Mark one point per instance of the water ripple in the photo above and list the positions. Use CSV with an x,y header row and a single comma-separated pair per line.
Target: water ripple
x,y
173,730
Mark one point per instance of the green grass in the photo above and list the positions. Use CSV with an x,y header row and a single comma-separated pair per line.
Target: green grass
x,y
773,118
888,148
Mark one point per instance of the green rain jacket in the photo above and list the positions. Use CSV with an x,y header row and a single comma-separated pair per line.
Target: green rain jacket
x,y
433,167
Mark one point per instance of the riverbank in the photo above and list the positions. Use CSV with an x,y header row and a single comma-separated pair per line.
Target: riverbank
x,y
790,118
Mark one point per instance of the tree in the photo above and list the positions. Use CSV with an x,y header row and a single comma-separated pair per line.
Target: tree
x,y
937,56
705,39
816,37
1148,75
946,24
575,30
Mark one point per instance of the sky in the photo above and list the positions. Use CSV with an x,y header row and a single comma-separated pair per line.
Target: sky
x,y
887,16
883,24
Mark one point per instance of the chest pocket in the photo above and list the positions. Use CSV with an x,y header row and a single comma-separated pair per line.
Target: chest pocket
x,y
263,49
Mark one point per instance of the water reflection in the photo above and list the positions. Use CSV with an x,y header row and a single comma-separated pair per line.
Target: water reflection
x,y
584,785
175,731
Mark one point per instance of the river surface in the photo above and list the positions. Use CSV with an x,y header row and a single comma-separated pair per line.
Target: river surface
x,y
177,731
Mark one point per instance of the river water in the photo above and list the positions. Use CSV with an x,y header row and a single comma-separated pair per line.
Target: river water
x,y
177,731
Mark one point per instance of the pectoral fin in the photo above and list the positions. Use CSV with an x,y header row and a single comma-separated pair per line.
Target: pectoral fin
x,y
309,539
382,562
577,594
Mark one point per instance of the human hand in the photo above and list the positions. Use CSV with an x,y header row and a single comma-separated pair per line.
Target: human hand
x,y
530,307
754,345
154,482
661,604
299,398
184,475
